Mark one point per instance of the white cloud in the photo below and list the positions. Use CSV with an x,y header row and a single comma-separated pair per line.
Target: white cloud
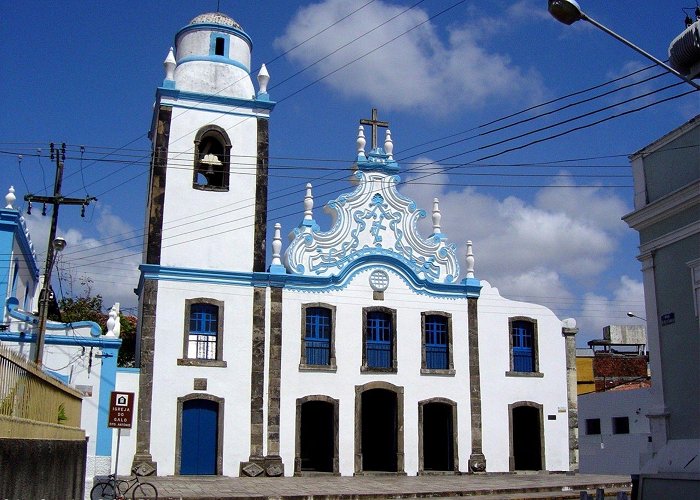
x,y
598,311
548,251
421,69
105,259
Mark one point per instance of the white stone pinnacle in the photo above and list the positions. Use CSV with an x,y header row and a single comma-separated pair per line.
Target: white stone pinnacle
x,y
361,141
437,216
470,260
277,245
389,145
263,79
10,197
169,65
308,203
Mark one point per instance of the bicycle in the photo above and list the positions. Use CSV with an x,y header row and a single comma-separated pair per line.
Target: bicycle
x,y
117,489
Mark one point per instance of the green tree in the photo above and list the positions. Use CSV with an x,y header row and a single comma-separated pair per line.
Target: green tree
x,y
89,308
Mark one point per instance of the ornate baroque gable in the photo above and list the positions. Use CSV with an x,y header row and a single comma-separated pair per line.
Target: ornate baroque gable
x,y
373,220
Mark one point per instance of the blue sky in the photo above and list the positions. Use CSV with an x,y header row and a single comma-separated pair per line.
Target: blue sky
x,y
544,218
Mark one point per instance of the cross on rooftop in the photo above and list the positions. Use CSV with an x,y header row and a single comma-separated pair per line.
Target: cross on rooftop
x,y
374,123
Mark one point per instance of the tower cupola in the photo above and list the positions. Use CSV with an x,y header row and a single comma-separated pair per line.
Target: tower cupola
x,y
213,56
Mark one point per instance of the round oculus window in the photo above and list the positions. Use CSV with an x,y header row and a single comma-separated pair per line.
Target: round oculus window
x,y
379,280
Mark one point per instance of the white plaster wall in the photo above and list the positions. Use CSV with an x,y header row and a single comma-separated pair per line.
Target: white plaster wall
x,y
348,347
210,229
608,453
499,390
171,381
212,77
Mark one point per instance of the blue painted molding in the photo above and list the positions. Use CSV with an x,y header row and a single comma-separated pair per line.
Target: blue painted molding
x,y
468,288
214,58
214,99
14,312
212,43
377,161
11,221
221,28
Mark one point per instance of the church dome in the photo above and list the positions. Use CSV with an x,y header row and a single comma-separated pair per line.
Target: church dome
x,y
216,18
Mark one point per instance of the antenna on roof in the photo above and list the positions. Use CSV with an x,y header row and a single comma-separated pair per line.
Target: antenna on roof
x,y
217,5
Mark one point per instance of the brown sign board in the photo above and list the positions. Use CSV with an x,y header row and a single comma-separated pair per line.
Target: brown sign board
x,y
121,409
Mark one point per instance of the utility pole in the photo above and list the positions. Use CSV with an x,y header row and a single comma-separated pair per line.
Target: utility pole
x,y
56,200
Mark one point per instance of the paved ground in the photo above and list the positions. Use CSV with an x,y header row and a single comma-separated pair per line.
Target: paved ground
x,y
489,486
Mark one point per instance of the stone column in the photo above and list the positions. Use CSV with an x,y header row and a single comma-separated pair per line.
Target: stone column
x,y
273,461
148,300
569,333
477,460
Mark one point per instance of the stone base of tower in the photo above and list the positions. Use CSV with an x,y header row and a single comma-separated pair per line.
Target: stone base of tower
x,y
477,463
269,466
143,465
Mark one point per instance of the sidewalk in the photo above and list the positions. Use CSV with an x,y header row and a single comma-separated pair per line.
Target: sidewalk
x,y
511,486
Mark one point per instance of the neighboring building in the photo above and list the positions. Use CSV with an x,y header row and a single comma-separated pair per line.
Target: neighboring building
x,y
76,353
613,430
356,350
667,216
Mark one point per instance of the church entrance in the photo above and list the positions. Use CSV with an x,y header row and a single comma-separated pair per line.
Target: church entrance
x,y
526,436
199,437
316,436
379,431
438,441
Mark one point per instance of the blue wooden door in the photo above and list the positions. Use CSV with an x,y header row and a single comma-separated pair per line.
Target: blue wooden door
x,y
198,441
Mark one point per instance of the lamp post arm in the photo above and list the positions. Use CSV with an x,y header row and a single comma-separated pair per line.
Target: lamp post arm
x,y
639,50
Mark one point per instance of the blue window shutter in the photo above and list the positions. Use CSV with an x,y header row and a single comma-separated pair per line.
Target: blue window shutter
x,y
436,342
317,339
379,342
523,343
204,330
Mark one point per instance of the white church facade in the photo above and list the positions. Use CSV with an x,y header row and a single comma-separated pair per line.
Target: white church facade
x,y
355,349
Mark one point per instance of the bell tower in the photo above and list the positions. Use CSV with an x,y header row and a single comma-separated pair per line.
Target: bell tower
x,y
206,214
207,197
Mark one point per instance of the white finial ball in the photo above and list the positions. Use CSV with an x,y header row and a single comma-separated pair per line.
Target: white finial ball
x,y
10,197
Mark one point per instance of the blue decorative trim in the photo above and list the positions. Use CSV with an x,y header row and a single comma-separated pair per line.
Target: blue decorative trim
x,y
212,44
213,58
215,27
263,96
377,161
217,111
121,369
11,221
468,288
108,380
168,84
277,269
14,312
182,95
30,338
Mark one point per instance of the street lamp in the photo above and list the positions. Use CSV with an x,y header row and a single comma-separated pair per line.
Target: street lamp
x,y
632,315
57,245
568,12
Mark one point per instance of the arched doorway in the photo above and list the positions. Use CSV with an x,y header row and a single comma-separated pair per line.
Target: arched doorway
x,y
379,428
437,423
199,435
527,437
317,435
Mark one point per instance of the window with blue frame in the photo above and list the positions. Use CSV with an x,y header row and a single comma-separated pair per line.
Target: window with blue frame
x,y
437,341
203,332
379,350
523,336
317,337
204,319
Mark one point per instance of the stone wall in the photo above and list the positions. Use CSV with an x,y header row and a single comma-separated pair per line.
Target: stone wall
x,y
42,468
